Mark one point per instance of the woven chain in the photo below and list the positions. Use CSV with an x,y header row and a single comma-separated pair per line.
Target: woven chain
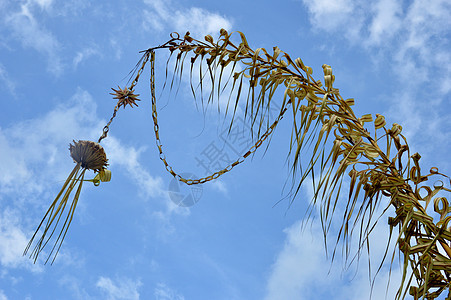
x,y
107,126
116,108
160,145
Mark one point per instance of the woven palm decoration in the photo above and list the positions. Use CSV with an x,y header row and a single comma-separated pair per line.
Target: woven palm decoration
x,y
334,143
87,155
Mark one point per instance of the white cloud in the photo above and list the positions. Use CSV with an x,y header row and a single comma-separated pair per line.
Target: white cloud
x,y
386,21
128,158
327,14
2,295
301,270
12,242
120,289
84,55
164,217
423,24
333,15
296,268
116,46
43,4
33,151
163,292
6,81
219,185
75,286
31,34
198,21
422,124
412,38
411,35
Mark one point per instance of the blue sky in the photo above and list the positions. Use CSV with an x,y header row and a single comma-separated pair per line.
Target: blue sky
x,y
129,240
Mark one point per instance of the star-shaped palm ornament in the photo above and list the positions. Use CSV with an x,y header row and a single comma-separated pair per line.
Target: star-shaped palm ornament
x,y
125,96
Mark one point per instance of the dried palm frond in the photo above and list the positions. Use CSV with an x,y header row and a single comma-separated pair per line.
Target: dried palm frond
x,y
328,143
339,144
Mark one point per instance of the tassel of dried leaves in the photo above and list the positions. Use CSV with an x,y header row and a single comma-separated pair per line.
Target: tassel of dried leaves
x,y
88,156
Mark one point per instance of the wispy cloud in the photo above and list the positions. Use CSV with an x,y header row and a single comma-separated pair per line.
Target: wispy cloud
x,y
128,158
386,21
161,15
44,4
116,46
6,81
302,271
74,286
219,186
331,15
2,295
30,33
164,292
410,34
149,186
411,40
84,54
12,242
164,217
123,288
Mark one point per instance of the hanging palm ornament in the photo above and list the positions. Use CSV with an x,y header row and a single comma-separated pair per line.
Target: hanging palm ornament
x,y
87,155
335,143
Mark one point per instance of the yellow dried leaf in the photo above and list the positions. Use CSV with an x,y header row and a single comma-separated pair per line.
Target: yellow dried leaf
x,y
366,118
350,101
396,129
209,38
327,70
379,122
